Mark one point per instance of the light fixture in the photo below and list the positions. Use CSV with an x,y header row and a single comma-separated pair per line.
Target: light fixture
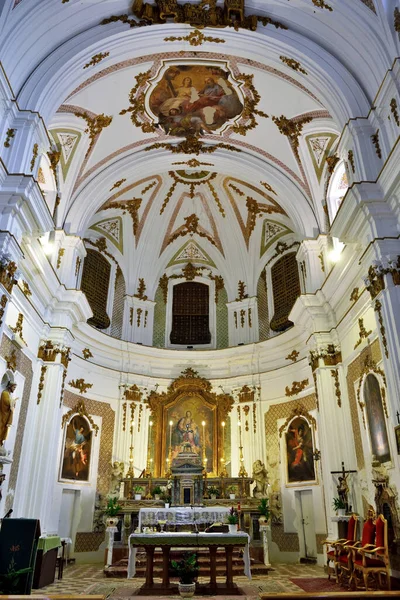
x,y
47,242
334,255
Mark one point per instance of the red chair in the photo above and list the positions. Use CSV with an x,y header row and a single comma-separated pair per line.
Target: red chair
x,y
374,560
335,548
346,557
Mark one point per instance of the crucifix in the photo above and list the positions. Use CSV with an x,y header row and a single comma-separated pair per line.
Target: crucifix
x,y
342,486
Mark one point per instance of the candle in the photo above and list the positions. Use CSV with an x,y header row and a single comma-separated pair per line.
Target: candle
x,y
170,433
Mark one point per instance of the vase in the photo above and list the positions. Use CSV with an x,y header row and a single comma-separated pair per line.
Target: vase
x,y
213,496
341,512
112,522
156,496
166,504
231,496
138,496
233,527
186,590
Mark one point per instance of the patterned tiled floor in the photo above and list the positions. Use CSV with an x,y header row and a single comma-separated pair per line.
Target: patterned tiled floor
x,y
89,579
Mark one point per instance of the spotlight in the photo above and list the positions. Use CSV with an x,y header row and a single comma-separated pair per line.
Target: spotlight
x,y
334,256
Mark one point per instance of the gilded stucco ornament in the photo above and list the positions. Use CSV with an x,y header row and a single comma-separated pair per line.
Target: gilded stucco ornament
x,y
297,387
378,310
293,356
140,293
192,145
10,134
363,333
8,273
87,353
128,206
95,125
18,329
11,361
35,152
205,13
292,128
195,38
79,409
350,156
43,371
80,385
376,143
293,64
394,111
368,367
96,59
331,162
298,411
241,291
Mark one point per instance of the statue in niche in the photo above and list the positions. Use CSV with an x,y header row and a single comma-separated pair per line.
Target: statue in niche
x,y
7,404
117,473
260,477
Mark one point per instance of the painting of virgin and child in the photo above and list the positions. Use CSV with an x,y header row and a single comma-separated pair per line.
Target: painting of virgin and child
x,y
194,99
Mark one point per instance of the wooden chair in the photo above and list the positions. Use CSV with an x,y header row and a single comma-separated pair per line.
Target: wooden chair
x,y
374,560
347,553
337,547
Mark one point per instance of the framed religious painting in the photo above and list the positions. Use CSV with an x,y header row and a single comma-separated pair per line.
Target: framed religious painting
x,y
77,450
397,434
300,446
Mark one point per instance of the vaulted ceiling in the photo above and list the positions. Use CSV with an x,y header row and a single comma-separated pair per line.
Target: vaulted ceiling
x,y
227,181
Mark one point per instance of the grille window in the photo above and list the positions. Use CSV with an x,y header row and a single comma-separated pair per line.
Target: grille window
x,y
95,282
190,314
286,289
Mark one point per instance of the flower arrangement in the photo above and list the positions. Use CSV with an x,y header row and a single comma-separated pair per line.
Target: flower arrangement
x,y
165,492
232,517
263,508
112,508
156,491
213,490
338,504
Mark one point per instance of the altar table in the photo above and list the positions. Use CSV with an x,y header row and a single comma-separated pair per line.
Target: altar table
x,y
166,541
182,515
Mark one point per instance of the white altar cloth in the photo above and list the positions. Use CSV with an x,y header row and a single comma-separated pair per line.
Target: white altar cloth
x,y
191,540
182,515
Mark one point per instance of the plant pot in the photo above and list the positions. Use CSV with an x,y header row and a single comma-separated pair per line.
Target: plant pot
x,y
262,520
232,496
213,496
112,522
341,512
166,504
187,590
156,496
138,496
233,527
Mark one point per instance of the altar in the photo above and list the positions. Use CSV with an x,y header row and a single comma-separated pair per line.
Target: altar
x,y
182,515
166,541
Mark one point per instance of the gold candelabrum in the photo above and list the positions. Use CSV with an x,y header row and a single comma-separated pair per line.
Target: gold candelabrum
x,y
204,457
168,474
130,473
242,470
223,472
149,462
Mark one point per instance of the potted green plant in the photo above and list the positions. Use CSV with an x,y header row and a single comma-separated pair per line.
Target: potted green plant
x,y
213,491
339,506
111,511
187,570
231,491
138,492
264,511
233,520
156,492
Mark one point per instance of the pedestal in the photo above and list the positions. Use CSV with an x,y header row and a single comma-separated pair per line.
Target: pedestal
x,y
111,533
265,531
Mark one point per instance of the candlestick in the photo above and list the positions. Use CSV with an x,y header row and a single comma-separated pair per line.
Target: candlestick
x,y
204,446
149,460
223,471
242,470
130,474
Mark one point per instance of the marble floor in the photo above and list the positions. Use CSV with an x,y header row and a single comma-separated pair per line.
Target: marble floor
x,y
89,579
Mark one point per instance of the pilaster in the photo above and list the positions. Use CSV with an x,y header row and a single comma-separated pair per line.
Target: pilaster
x,y
138,320
312,257
67,258
243,321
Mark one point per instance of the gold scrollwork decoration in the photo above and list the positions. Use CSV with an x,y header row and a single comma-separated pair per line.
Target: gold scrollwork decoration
x,y
338,394
378,310
293,64
96,59
35,152
18,329
163,283
292,129
124,416
140,293
350,157
192,145
246,394
133,393
375,141
41,383
87,353
118,184
60,254
331,162
316,389
293,356
363,333
369,365
10,134
355,294
241,291
79,409
80,385
195,38
297,387
3,304
26,290
394,111
95,125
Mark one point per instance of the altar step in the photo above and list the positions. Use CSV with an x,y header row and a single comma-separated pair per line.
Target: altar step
x,y
120,568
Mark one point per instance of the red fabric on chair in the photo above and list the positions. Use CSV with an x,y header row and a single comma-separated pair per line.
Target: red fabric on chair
x,y
368,534
380,533
351,528
369,562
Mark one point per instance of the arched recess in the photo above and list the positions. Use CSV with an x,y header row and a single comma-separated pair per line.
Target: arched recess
x,y
376,413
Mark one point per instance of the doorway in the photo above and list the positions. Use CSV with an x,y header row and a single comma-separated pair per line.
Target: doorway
x,y
68,512
305,519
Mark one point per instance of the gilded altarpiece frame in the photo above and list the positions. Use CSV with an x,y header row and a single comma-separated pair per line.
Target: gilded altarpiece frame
x,y
192,394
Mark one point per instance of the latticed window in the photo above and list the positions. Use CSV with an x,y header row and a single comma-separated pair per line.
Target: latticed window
x,y
190,314
95,282
286,289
